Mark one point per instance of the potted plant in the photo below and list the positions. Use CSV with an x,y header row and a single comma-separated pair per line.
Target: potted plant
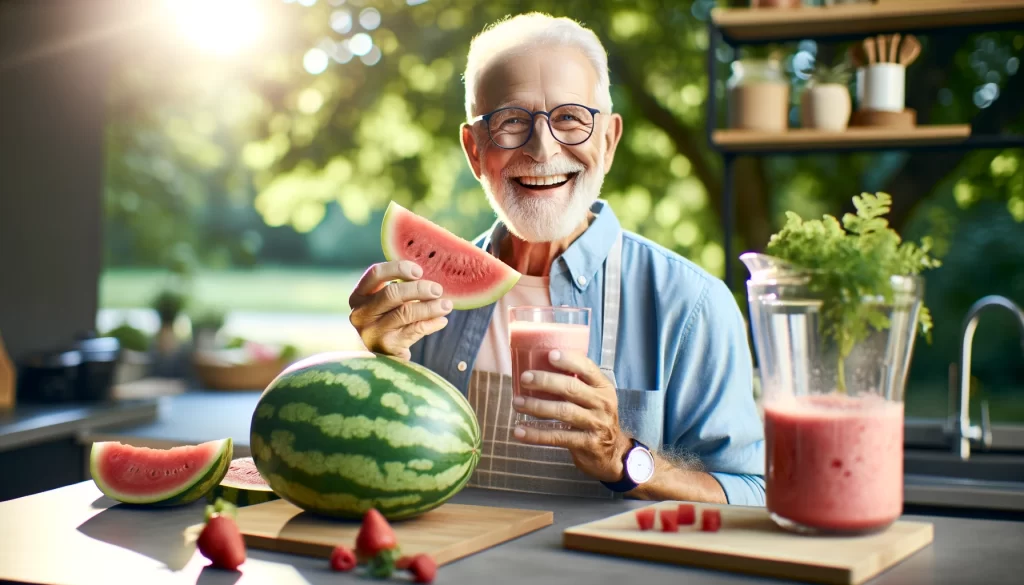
x,y
205,327
825,103
135,361
168,305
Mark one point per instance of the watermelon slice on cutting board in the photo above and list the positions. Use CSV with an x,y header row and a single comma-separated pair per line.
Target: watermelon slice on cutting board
x,y
242,486
470,277
159,477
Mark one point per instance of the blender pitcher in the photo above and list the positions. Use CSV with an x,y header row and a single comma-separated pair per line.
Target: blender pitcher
x,y
833,419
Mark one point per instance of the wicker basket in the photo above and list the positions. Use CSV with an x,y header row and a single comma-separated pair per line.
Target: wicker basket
x,y
254,376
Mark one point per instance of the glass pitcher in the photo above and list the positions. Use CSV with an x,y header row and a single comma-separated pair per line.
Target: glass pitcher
x,y
833,427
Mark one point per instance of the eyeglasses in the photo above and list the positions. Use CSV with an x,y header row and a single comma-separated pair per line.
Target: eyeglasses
x,y
512,127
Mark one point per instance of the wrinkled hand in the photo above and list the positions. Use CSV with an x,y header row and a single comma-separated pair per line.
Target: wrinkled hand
x,y
587,403
391,316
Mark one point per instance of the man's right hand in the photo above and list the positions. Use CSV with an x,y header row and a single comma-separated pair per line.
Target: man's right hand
x,y
391,316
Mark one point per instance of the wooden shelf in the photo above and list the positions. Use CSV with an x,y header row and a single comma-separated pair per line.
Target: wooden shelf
x,y
769,24
854,137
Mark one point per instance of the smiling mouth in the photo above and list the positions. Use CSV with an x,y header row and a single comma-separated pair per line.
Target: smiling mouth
x,y
544,183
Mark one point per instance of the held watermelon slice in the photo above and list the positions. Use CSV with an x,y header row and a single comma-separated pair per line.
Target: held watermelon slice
x,y
470,277
159,477
242,486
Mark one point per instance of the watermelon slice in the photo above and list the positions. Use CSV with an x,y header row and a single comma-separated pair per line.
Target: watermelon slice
x,y
243,485
471,277
159,477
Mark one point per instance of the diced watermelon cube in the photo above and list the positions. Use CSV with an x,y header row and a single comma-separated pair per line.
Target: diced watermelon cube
x,y
669,521
645,518
686,514
711,520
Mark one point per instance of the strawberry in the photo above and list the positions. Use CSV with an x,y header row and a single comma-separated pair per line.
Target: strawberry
x,y
645,518
686,514
375,535
669,521
376,544
711,520
221,542
343,559
423,568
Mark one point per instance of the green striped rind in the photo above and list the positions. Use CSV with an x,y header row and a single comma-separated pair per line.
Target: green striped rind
x,y
215,472
210,480
337,437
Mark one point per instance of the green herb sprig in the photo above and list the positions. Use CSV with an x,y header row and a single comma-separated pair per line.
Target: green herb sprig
x,y
849,262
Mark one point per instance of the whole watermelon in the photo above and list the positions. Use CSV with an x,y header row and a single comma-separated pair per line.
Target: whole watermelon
x,y
339,433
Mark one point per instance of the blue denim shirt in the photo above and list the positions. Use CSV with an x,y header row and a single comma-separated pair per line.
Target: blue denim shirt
x,y
683,364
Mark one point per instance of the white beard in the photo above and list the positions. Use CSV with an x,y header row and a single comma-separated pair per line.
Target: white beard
x,y
544,218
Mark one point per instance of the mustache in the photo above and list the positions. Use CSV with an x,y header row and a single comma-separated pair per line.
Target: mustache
x,y
561,166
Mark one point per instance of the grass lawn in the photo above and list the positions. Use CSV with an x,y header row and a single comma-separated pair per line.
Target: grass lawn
x,y
272,290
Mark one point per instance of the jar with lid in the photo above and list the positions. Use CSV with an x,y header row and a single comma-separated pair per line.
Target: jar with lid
x,y
758,96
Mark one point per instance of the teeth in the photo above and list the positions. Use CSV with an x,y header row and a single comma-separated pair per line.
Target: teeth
x,y
542,181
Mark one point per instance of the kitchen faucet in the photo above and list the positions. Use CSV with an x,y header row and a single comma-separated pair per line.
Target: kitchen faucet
x,y
960,423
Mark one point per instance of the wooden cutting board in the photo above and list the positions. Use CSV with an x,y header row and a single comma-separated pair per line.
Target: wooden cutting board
x,y
749,542
7,378
447,533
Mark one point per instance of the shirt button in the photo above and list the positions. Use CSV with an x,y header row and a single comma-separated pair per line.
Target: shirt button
x,y
582,280
462,366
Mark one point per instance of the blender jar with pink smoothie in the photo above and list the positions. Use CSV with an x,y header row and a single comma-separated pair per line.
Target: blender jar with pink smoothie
x,y
534,332
833,427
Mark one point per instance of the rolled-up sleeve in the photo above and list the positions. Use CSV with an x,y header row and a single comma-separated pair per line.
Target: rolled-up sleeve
x,y
710,410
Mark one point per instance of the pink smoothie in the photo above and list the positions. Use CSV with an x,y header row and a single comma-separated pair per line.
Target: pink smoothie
x,y
835,463
531,342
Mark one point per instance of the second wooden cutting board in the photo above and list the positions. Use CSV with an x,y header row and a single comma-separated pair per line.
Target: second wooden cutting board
x,y
447,533
749,542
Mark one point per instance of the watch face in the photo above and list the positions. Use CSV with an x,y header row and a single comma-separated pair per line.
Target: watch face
x,y
640,465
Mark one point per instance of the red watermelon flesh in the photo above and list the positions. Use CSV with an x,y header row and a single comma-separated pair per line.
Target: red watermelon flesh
x,y
142,475
243,475
470,276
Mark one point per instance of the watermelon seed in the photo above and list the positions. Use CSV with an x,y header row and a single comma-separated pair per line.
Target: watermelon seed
x,y
409,244
431,255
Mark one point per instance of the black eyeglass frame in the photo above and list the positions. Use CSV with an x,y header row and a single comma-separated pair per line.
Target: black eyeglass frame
x,y
533,123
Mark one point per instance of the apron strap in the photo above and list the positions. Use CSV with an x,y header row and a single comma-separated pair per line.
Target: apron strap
x,y
612,290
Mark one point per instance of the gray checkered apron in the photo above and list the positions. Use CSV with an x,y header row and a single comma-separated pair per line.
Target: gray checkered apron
x,y
508,464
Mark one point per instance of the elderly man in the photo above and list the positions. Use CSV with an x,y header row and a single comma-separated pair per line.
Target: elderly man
x,y
666,411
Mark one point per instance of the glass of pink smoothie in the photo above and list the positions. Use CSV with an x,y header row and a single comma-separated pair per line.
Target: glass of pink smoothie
x,y
533,333
833,421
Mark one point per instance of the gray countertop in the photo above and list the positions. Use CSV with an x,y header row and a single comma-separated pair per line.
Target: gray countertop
x,y
191,418
29,424
74,536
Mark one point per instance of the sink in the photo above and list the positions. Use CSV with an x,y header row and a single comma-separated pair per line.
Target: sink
x,y
985,481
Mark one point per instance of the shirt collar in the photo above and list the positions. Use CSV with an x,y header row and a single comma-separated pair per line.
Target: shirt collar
x,y
586,255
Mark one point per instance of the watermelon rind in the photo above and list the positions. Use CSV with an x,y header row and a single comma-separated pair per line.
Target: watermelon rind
x,y
241,493
187,492
338,435
460,302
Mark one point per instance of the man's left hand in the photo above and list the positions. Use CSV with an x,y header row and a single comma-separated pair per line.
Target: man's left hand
x,y
588,404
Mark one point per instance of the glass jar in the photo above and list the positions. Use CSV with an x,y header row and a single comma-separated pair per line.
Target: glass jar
x,y
758,96
833,426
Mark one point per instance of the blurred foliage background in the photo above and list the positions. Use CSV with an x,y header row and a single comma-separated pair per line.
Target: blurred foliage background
x,y
252,165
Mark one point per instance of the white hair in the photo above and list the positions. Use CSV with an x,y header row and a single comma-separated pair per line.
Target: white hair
x,y
511,36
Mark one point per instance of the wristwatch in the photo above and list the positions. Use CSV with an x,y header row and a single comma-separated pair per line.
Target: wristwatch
x,y
637,468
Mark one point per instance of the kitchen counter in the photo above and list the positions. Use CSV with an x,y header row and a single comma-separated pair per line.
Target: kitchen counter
x,y
191,418
75,536
31,424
